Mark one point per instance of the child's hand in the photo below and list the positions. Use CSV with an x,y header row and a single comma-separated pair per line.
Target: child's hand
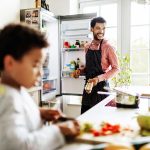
x,y
50,114
69,128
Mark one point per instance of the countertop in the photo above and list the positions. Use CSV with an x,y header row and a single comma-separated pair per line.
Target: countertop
x,y
101,112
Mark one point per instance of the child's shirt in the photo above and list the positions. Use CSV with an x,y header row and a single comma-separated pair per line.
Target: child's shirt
x,y
21,127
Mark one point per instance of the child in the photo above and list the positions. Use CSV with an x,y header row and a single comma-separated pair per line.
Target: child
x,y
21,121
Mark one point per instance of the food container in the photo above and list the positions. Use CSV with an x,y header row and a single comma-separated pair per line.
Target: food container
x,y
126,100
88,87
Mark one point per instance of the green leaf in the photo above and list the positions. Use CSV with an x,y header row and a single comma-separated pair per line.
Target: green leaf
x,y
124,76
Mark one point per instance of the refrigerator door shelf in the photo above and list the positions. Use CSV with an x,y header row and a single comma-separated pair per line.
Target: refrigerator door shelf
x,y
48,96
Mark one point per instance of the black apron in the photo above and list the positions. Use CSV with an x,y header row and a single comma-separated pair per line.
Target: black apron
x,y
93,69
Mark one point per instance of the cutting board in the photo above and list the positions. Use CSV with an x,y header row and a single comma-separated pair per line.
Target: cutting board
x,y
90,139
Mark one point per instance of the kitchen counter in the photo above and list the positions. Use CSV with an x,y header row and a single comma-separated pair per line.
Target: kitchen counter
x,y
101,112
112,114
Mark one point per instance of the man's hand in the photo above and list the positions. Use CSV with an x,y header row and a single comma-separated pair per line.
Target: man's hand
x,y
76,73
50,115
94,80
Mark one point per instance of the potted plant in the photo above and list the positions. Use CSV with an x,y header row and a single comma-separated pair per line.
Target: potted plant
x,y
123,78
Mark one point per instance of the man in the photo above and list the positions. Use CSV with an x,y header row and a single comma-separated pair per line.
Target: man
x,y
101,64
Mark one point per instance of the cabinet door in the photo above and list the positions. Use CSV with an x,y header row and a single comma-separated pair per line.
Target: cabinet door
x,y
51,80
44,21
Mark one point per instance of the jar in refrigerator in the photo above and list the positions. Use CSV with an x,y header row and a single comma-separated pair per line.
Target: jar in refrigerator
x,y
88,87
66,44
77,63
77,44
82,44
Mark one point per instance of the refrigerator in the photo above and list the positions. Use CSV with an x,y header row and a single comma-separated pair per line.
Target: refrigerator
x,y
74,34
67,36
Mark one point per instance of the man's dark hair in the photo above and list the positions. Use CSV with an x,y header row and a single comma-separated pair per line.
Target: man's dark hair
x,y
17,40
97,20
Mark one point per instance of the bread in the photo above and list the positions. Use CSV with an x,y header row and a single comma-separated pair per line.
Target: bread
x,y
119,147
145,147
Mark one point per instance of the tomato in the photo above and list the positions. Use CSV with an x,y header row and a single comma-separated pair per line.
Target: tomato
x,y
96,133
105,129
116,129
108,125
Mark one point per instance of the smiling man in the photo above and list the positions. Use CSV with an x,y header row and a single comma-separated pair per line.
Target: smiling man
x,y
101,64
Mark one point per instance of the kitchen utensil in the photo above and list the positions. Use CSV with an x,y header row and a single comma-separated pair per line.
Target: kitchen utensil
x,y
62,119
88,87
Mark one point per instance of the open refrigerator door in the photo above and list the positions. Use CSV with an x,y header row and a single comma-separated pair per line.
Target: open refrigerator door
x,y
47,23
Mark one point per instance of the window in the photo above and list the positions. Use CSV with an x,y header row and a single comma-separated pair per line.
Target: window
x,y
140,45
128,29
110,16
91,9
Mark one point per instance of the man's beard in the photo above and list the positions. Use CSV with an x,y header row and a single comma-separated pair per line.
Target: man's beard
x,y
97,37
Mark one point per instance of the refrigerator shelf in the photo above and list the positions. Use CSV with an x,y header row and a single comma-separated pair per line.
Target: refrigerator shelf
x,y
72,49
76,29
77,37
49,79
48,96
49,91
80,77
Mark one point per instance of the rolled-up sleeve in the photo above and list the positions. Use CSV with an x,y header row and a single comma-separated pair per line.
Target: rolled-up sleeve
x,y
113,65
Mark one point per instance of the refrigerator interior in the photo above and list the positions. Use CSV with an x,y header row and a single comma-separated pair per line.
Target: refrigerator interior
x,y
75,33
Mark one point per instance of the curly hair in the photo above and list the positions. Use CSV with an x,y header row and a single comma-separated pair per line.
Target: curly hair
x,y
97,20
17,40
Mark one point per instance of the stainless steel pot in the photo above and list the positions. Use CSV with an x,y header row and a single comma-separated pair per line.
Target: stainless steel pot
x,y
123,99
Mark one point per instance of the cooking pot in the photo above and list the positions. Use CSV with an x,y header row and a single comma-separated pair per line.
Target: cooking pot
x,y
124,99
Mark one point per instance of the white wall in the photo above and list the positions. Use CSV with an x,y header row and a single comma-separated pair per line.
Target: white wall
x,y
59,7
9,11
74,7
63,7
24,4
